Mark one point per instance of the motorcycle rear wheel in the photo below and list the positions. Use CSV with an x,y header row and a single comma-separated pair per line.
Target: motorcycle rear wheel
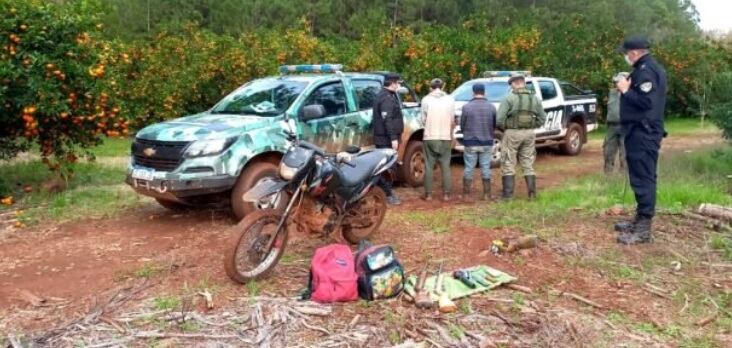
x,y
246,259
364,219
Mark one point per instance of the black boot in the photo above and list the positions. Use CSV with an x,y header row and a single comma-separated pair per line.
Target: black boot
x,y
625,225
467,187
507,187
486,189
531,185
639,233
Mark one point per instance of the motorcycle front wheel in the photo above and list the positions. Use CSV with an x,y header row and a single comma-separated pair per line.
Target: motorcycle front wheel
x,y
366,217
248,257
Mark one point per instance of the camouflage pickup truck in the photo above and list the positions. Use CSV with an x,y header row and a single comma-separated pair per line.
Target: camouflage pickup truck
x,y
217,155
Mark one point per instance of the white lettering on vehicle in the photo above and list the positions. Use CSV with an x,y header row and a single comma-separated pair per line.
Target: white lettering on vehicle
x,y
578,108
592,108
554,119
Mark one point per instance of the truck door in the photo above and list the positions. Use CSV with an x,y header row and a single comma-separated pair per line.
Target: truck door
x,y
365,91
552,102
331,130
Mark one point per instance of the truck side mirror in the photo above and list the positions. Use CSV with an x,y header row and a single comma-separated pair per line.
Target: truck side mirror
x,y
311,112
403,90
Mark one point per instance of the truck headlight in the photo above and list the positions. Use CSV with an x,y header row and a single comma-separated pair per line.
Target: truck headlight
x,y
208,147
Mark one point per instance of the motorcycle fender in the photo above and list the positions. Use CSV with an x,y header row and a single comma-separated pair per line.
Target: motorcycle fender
x,y
266,187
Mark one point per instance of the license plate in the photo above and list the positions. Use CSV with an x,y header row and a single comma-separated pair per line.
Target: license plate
x,y
143,174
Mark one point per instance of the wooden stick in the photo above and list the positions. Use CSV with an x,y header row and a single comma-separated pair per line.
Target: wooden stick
x,y
707,320
655,291
579,298
521,288
113,324
715,211
715,223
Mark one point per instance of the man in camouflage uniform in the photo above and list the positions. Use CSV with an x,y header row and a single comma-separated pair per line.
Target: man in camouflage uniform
x,y
518,115
613,146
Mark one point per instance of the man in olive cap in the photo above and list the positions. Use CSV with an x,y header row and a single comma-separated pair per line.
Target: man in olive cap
x,y
642,104
518,115
613,145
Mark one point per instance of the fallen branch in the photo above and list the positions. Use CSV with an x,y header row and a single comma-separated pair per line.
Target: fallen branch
x,y
113,324
315,328
427,337
716,224
655,291
208,297
521,288
578,298
715,211
706,320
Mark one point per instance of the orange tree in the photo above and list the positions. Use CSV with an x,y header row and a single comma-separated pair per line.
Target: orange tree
x,y
50,73
185,73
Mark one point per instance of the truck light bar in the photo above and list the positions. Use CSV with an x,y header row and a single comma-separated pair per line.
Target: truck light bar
x,y
311,68
506,73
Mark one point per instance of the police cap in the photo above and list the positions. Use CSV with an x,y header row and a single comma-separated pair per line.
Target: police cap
x,y
634,43
515,77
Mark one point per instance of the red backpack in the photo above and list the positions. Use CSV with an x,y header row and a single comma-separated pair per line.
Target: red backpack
x,y
333,275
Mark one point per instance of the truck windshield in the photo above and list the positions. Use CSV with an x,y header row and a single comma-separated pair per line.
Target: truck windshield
x,y
266,97
494,91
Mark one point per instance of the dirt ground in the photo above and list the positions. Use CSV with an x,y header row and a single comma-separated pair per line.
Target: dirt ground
x,y
75,265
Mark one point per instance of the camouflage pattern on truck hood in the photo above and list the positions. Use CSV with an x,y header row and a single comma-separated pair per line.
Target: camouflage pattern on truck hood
x,y
204,126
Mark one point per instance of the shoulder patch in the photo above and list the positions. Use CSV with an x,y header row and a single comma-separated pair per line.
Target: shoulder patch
x,y
646,87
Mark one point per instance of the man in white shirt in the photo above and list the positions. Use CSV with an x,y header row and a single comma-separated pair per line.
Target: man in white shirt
x,y
438,117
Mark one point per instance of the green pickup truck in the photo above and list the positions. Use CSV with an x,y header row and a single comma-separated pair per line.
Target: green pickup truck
x,y
217,155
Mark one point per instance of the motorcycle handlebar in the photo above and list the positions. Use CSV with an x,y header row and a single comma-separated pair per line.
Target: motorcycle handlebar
x,y
313,147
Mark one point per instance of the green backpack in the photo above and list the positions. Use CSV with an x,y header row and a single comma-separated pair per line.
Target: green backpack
x,y
524,117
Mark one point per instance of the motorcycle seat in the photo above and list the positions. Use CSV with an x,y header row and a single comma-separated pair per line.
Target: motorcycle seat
x,y
363,166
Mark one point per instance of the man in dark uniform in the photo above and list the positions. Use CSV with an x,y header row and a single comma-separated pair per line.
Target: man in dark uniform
x,y
642,104
388,125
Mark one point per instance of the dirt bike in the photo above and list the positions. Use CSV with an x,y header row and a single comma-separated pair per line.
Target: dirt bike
x,y
329,193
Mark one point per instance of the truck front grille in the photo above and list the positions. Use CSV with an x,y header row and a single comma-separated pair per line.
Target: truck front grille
x,y
159,155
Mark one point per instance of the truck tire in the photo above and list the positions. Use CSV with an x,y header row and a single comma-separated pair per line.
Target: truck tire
x,y
496,156
413,167
572,145
249,177
172,205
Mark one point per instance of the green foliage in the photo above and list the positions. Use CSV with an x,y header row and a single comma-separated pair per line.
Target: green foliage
x,y
167,303
147,271
51,69
721,99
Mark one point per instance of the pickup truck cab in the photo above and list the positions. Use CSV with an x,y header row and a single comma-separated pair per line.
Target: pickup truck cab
x,y
217,155
571,112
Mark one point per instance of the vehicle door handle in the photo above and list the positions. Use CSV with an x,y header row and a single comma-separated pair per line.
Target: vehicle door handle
x,y
352,124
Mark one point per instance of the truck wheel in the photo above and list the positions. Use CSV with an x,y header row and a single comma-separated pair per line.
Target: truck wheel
x,y
572,144
413,168
172,205
496,155
249,177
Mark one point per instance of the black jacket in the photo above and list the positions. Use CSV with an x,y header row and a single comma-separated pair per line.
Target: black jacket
x,y
388,121
643,105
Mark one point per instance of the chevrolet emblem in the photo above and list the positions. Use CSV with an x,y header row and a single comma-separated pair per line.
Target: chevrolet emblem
x,y
149,152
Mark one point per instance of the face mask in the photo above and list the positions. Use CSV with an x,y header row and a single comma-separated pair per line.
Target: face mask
x,y
627,60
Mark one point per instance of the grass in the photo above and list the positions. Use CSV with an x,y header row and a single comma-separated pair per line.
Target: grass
x,y
113,147
675,126
685,181
167,303
147,271
436,221
96,189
